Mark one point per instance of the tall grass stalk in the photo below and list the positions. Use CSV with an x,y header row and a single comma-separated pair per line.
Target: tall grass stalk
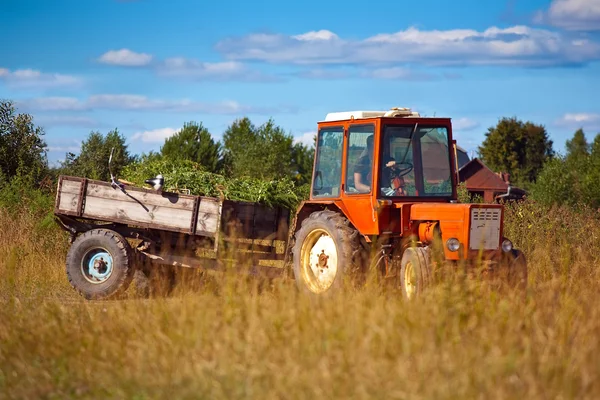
x,y
230,340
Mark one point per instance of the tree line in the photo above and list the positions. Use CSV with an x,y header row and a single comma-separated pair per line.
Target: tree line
x,y
249,151
267,152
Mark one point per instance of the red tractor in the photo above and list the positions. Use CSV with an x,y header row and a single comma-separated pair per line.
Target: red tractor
x,y
384,189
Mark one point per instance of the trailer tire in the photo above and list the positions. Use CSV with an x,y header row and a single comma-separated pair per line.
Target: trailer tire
x,y
415,272
100,264
327,252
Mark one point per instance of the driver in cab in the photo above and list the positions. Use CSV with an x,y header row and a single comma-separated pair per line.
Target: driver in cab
x,y
363,173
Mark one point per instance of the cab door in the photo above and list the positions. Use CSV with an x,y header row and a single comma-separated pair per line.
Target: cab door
x,y
358,178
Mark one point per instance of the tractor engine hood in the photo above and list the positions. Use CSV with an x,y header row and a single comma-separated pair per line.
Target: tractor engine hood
x,y
477,227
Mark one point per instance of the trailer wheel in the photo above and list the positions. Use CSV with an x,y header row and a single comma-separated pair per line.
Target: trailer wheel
x,y
326,251
99,264
415,272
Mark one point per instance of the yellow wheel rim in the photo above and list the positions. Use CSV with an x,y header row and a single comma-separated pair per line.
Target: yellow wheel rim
x,y
318,261
410,280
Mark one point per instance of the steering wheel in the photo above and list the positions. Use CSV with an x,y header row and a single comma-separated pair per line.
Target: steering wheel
x,y
401,171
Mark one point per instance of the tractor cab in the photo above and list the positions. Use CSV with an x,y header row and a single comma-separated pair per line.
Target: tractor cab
x,y
366,160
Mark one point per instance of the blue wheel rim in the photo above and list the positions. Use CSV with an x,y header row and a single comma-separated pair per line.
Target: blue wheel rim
x,y
97,265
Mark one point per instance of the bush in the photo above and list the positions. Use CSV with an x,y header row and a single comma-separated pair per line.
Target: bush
x,y
571,181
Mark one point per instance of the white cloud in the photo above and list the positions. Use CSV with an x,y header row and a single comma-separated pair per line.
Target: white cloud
x,y
579,120
155,135
195,69
325,74
399,73
31,78
317,35
576,15
184,67
306,138
52,104
125,57
67,120
464,124
517,45
128,102
63,149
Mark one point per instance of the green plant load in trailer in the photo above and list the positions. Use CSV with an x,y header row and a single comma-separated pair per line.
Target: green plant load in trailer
x,y
163,227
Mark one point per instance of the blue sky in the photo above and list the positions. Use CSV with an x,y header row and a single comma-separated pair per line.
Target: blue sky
x,y
147,66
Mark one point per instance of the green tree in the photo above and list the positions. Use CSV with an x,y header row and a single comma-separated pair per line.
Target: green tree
x,y
195,143
578,145
92,161
264,152
573,179
595,148
302,157
519,148
22,149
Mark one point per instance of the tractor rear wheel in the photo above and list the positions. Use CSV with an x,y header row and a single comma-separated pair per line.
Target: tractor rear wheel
x,y
415,272
326,252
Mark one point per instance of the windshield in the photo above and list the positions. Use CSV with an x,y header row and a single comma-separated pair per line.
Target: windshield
x,y
415,161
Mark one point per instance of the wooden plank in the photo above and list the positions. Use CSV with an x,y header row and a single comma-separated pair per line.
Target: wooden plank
x,y
118,210
207,223
208,205
71,187
148,199
208,216
68,202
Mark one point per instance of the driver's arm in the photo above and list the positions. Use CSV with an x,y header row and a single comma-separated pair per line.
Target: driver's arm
x,y
361,187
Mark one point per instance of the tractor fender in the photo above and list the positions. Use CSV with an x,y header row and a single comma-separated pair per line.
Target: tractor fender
x,y
308,207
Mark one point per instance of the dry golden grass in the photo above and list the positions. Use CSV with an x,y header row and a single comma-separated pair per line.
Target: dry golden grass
x,y
461,340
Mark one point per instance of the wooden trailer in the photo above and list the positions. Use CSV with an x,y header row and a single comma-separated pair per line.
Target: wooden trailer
x,y
173,228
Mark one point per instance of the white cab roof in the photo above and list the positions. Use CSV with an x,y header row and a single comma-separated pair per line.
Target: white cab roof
x,y
394,112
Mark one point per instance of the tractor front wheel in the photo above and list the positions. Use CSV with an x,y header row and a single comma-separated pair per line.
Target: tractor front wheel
x,y
517,271
415,272
326,251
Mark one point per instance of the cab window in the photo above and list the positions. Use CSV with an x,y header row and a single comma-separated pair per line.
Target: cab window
x,y
327,176
359,170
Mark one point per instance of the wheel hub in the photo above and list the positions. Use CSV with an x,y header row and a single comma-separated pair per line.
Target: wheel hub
x,y
97,265
323,259
319,261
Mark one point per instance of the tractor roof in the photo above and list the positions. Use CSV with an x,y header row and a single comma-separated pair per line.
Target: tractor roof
x,y
394,112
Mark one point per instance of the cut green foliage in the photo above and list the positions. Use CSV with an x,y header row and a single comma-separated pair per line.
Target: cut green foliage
x,y
185,174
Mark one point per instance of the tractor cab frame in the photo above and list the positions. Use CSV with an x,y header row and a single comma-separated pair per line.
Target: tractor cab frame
x,y
411,159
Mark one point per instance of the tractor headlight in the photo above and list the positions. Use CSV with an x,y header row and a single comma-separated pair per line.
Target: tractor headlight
x,y
507,246
453,244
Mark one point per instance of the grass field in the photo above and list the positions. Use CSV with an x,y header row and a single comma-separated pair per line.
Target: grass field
x,y
461,340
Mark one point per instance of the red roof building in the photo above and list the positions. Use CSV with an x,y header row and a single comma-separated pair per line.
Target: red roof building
x,y
491,186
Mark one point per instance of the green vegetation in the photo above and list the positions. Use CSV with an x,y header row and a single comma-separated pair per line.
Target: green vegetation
x,y
22,148
517,147
572,179
184,174
264,152
194,143
92,161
